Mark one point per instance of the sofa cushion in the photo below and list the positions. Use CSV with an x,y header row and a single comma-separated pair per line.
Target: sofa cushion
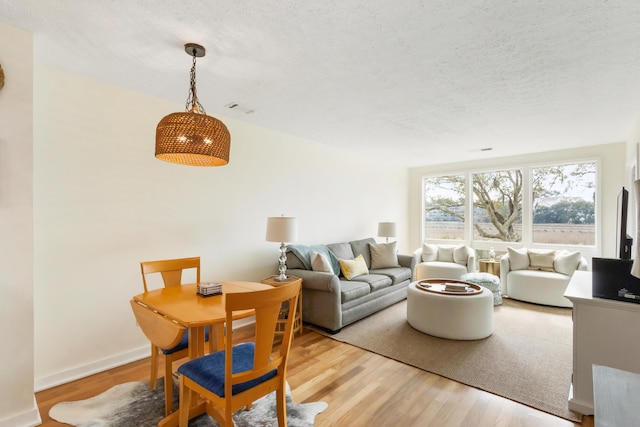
x,y
375,281
539,287
445,253
567,262
439,270
353,267
541,260
351,290
397,274
461,254
383,255
361,247
300,254
518,259
341,250
429,252
319,262
293,261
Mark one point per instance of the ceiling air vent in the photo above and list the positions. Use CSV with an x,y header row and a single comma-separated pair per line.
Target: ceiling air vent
x,y
236,106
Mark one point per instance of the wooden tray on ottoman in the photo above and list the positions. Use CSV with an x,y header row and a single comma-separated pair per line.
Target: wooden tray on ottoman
x,y
439,286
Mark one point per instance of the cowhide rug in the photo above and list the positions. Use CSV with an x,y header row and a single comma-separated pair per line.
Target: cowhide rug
x,y
133,404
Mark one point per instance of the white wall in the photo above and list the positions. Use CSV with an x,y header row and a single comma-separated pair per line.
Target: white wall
x,y
633,164
103,203
17,403
612,176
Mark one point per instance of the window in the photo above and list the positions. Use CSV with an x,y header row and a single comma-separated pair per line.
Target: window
x,y
551,204
444,207
497,206
563,201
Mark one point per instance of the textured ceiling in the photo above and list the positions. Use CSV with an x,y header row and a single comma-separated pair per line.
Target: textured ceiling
x,y
410,82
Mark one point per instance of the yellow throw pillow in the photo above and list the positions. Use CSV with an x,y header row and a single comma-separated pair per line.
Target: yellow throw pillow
x,y
353,267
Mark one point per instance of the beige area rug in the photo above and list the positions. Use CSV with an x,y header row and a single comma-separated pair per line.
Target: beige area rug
x,y
528,359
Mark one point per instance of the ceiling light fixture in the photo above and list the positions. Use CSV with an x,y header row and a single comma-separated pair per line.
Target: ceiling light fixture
x,y
192,138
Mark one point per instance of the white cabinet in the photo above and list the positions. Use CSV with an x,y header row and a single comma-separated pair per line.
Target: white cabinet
x,y
605,332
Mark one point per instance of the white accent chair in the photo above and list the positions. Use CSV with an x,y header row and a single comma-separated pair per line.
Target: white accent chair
x,y
538,276
443,261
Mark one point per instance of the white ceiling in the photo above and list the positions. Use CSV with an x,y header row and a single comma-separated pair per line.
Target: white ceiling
x,y
411,82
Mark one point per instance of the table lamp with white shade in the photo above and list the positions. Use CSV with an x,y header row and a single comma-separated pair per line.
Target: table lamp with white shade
x,y
387,229
282,229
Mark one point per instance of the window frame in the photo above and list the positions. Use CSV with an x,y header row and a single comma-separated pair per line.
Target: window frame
x,y
527,208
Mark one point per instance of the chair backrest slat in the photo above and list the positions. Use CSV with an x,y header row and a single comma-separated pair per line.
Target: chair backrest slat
x,y
267,305
170,269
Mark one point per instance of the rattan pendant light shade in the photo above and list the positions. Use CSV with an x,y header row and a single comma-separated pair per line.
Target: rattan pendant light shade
x,y
193,138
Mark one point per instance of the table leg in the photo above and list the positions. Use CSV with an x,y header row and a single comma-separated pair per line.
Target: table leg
x,y
196,349
196,342
220,336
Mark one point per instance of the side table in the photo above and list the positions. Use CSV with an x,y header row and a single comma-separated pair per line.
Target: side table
x,y
489,266
284,313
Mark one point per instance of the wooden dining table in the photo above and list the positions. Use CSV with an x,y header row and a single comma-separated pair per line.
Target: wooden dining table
x,y
183,305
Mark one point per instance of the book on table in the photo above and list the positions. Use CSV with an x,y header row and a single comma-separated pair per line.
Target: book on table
x,y
209,289
455,287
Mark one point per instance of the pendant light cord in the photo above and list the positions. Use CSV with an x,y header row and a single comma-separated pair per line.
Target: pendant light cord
x,y
193,105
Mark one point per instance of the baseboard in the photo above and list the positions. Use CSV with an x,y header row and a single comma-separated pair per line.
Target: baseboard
x,y
580,406
102,365
30,418
78,372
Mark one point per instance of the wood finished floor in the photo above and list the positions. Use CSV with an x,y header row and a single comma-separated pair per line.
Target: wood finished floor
x,y
361,388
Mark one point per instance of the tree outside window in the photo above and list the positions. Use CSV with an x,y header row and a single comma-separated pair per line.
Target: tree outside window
x,y
497,206
563,202
444,207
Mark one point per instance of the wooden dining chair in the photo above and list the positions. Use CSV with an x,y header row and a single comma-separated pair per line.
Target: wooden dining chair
x,y
164,334
238,375
171,271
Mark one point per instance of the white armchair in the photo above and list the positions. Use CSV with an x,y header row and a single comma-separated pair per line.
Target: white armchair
x,y
443,261
539,276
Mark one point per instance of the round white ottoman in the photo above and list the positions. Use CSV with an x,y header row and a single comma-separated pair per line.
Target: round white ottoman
x,y
456,317
486,280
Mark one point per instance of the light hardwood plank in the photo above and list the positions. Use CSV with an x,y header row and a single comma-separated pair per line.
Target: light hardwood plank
x,y
361,388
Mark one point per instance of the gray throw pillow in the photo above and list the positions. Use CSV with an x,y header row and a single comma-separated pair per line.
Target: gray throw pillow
x,y
383,255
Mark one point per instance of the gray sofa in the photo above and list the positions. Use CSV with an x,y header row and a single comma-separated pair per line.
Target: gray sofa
x,y
331,301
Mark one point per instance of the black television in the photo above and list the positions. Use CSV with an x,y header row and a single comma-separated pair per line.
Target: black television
x,y
623,240
611,277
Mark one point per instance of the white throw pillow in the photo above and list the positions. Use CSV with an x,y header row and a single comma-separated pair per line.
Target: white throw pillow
x,y
518,259
383,255
541,260
461,254
319,262
567,262
429,252
445,253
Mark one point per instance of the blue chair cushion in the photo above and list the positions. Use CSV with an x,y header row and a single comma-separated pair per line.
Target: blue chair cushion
x,y
208,371
184,342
